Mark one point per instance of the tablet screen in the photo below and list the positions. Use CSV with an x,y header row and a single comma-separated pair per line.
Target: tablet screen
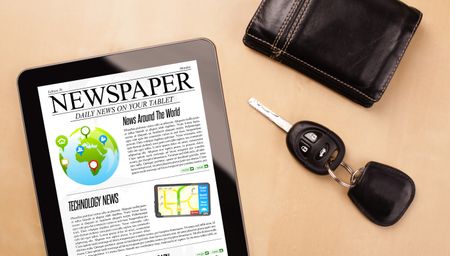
x,y
132,163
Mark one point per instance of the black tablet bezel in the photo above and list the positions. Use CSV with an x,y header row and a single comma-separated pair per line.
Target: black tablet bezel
x,y
204,52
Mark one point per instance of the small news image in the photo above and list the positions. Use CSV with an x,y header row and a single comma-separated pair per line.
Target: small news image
x,y
178,200
89,155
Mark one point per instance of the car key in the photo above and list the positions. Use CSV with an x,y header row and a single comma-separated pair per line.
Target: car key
x,y
313,145
382,193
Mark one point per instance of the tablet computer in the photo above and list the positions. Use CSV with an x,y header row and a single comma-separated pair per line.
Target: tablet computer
x,y
131,154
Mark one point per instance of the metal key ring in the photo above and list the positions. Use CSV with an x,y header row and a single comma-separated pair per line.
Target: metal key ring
x,y
355,176
349,170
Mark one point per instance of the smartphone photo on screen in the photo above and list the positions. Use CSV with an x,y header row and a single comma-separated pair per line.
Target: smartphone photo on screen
x,y
177,200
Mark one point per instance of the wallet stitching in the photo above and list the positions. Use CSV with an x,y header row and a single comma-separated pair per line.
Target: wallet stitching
x,y
288,36
285,22
294,32
256,14
283,26
313,67
388,79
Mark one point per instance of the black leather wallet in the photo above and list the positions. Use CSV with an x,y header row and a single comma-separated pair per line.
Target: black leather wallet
x,y
351,46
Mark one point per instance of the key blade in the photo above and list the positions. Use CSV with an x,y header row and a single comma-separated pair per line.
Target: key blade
x,y
278,120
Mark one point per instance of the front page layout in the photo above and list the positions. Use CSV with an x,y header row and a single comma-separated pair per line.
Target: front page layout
x,y
132,164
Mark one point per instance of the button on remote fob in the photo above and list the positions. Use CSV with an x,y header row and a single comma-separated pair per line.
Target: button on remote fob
x,y
313,145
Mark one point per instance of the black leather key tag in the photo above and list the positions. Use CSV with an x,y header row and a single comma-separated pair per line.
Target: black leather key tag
x,y
382,193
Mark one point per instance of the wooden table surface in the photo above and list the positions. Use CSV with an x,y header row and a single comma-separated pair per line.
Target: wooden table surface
x,y
288,211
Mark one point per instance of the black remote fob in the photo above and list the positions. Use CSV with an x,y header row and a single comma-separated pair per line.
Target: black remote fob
x,y
315,146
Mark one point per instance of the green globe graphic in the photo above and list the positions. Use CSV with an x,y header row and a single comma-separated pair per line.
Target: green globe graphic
x,y
88,156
